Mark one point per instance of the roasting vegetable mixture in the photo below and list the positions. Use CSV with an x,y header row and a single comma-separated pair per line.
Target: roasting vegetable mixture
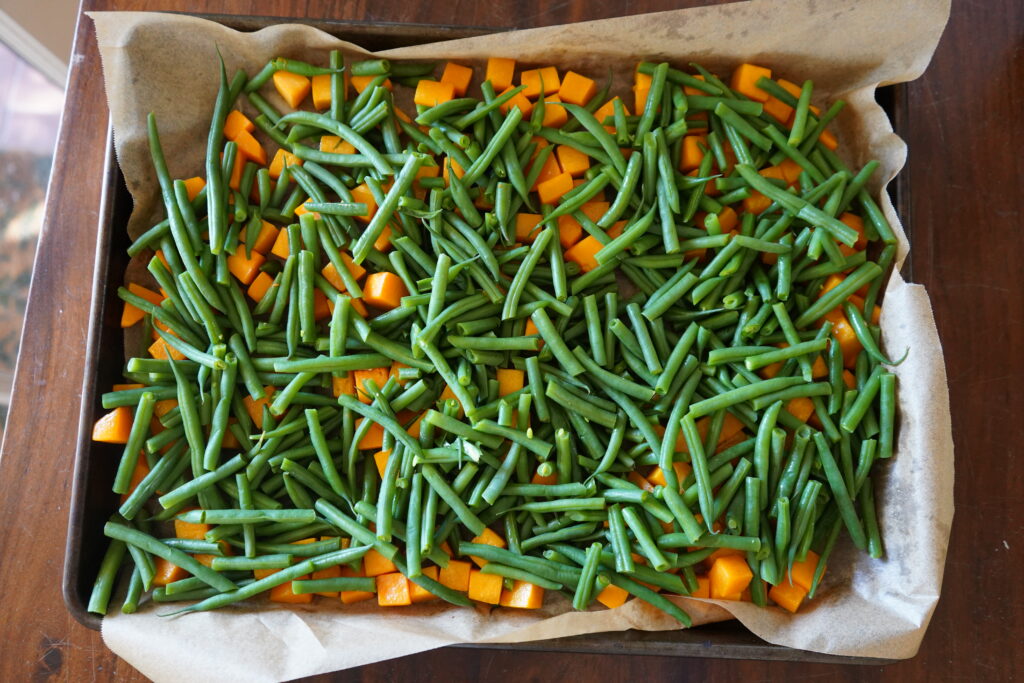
x,y
518,337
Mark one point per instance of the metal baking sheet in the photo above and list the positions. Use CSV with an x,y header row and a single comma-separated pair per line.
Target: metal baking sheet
x,y
95,463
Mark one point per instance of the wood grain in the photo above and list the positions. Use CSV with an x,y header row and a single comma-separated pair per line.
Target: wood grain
x,y
967,184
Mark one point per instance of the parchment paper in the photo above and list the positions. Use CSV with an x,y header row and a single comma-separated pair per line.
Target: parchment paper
x,y
875,608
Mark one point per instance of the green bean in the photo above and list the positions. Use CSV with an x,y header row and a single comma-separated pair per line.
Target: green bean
x,y
840,492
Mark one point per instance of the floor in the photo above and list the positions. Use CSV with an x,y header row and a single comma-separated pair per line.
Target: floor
x,y
30,108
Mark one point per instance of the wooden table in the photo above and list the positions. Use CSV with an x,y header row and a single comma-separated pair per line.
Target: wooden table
x,y
967,184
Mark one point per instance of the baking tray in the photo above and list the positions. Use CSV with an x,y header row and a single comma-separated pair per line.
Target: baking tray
x,y
95,463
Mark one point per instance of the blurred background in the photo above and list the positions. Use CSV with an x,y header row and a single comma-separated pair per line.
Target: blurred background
x,y
35,48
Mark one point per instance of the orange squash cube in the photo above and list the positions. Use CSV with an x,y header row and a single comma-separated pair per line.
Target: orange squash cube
x,y
321,87
500,72
572,161
611,596
524,595
114,427
245,268
485,587
280,160
555,115
510,380
488,537
235,123
393,589
378,375
292,87
384,290
418,593
455,575
518,100
577,89
532,78
432,93
729,575
375,564
788,596
458,76
744,80
550,191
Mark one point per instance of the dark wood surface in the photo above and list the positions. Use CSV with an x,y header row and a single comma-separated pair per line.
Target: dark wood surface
x,y
967,194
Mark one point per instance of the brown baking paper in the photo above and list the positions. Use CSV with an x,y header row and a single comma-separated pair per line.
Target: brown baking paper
x,y
167,64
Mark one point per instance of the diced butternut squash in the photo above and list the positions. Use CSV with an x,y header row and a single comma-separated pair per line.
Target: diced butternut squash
x,y
114,427
418,593
161,350
657,476
802,573
485,587
611,596
549,170
384,290
526,226
458,76
164,572
245,268
373,439
196,532
343,385
321,86
518,100
235,123
280,160
378,375
455,575
524,595
360,83
432,93
703,587
788,596
375,564
510,381
550,191
729,575
691,154
800,407
555,115
744,80
131,314
264,240
335,145
572,161
538,478
361,194
261,284
532,78
641,89
584,253
194,186
577,89
292,87
500,71
380,459
393,588
250,148
488,537
285,595
255,407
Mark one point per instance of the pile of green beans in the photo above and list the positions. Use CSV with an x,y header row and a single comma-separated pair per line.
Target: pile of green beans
x,y
630,365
